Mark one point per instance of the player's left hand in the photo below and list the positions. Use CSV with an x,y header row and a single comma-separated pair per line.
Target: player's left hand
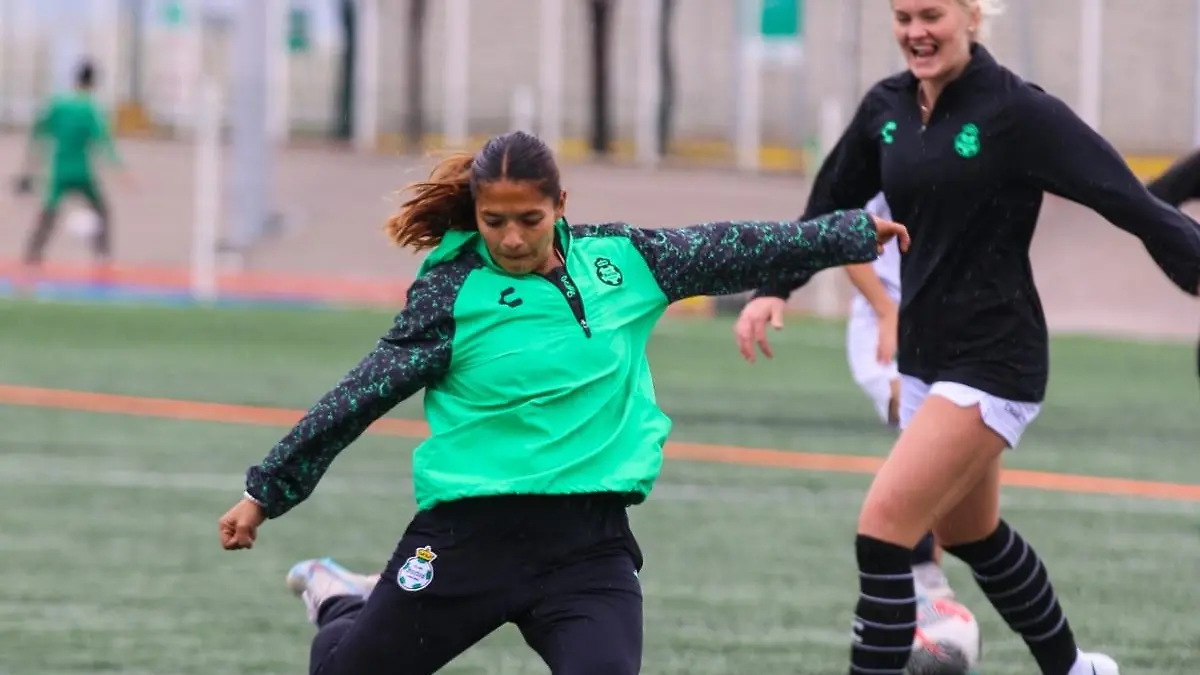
x,y
751,326
886,230
239,526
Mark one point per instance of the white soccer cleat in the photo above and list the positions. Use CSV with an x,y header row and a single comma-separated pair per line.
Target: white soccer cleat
x,y
319,579
931,582
1094,664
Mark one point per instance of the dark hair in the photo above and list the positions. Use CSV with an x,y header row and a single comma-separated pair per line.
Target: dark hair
x,y
85,75
446,201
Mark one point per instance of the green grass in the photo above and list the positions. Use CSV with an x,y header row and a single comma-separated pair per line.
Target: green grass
x,y
108,523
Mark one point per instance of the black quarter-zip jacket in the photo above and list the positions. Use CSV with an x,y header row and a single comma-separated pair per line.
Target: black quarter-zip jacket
x,y
969,187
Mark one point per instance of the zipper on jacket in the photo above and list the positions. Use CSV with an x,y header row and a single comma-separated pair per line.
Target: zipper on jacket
x,y
562,280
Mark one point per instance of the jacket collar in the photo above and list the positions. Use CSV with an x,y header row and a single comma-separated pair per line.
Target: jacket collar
x,y
455,242
981,65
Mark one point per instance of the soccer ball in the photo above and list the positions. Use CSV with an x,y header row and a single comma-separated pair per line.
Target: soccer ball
x,y
83,223
948,641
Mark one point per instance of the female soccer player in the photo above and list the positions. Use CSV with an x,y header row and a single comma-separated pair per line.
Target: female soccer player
x,y
871,334
529,337
965,150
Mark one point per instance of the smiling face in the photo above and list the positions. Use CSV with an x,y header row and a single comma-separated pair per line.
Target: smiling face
x,y
516,220
935,36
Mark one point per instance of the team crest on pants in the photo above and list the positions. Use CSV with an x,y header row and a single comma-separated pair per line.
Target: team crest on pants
x,y
417,572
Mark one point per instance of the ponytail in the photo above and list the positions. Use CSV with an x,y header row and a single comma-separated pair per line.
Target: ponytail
x,y
440,204
446,201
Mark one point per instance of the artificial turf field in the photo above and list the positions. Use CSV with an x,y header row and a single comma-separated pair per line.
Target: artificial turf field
x,y
108,506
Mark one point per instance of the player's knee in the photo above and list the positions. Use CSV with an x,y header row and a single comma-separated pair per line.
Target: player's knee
x,y
884,515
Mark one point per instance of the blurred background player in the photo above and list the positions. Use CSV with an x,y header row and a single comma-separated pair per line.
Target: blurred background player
x,y
67,130
871,334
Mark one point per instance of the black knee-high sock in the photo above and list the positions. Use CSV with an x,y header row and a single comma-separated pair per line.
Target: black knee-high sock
x,y
923,553
1015,581
885,620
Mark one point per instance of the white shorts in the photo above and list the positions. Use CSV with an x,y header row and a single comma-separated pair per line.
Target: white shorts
x,y
1007,418
873,377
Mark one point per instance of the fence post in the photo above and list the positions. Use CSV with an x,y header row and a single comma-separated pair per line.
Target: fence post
x,y
550,73
457,74
1091,56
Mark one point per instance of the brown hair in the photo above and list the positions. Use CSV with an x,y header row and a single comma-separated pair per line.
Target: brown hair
x,y
446,200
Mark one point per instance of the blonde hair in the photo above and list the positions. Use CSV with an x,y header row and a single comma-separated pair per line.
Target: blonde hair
x,y
988,9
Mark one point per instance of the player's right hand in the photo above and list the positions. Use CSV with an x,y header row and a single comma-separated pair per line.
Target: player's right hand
x,y
751,326
239,526
886,230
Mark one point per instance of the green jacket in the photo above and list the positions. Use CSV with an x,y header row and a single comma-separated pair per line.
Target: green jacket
x,y
72,125
540,384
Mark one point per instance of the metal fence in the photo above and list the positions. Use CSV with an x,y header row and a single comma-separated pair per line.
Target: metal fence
x,y
1130,66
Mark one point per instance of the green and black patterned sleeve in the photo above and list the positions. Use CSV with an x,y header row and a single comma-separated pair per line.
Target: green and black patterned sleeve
x,y
732,257
414,354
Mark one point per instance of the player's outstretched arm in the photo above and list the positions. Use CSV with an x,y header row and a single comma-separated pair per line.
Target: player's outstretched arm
x,y
732,257
1180,182
1066,157
414,354
847,178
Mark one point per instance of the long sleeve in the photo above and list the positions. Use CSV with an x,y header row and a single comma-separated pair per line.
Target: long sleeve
x,y
847,179
1180,182
1065,157
413,354
732,257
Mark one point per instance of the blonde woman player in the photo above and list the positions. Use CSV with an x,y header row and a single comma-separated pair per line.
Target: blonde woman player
x,y
966,151
871,353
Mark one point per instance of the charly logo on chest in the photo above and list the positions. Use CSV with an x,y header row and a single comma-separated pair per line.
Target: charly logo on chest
x,y
887,133
508,298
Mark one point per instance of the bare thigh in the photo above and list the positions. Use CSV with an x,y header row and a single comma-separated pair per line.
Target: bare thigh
x,y
977,513
943,454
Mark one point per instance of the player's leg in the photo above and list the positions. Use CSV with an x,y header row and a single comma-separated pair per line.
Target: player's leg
x,y
882,384
101,242
879,381
885,616
333,598
364,628
589,619
1006,567
948,447
35,247
928,577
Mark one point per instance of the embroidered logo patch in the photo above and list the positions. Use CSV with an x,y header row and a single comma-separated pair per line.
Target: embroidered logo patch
x,y
966,143
608,273
417,572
